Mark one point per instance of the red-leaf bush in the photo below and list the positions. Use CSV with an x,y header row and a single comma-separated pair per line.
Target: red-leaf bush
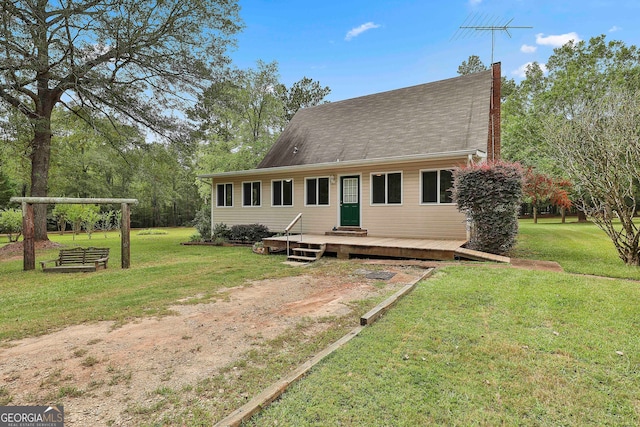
x,y
490,195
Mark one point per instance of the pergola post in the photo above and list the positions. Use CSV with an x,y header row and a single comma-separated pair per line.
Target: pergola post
x,y
28,240
125,239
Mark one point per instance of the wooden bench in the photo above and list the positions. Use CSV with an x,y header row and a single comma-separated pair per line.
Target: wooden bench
x,y
78,260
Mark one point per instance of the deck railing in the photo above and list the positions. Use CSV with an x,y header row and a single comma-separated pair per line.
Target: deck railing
x,y
297,219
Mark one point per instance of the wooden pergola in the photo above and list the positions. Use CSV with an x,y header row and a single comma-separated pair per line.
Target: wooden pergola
x,y
28,228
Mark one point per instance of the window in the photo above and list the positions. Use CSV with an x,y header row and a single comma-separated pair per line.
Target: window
x,y
436,186
225,195
251,193
317,191
282,192
386,188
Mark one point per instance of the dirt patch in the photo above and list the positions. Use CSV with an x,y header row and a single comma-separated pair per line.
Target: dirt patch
x,y
532,264
97,370
15,250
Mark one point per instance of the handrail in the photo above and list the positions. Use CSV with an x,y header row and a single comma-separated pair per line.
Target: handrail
x,y
295,220
290,226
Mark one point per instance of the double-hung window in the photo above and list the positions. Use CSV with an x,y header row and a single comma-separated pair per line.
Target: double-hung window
x,y
224,195
317,191
251,193
436,186
386,188
282,192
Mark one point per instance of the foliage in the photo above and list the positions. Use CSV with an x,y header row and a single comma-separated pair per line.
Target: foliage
x,y
523,113
241,116
599,147
128,60
221,231
489,194
60,213
202,222
152,232
11,223
82,216
541,188
249,233
107,221
303,93
7,187
474,65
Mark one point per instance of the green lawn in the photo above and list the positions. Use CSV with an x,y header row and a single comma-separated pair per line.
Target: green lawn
x,y
473,345
162,272
579,248
486,346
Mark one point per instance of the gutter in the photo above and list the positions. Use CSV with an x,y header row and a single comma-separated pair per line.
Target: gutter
x,y
350,163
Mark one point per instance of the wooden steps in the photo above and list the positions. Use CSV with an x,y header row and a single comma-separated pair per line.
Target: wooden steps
x,y
307,252
347,231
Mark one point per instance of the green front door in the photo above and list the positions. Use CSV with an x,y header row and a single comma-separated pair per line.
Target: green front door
x,y
350,201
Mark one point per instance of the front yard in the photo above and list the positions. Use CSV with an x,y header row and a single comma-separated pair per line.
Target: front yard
x,y
473,345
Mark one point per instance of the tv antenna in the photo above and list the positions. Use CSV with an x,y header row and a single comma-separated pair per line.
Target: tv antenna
x,y
476,23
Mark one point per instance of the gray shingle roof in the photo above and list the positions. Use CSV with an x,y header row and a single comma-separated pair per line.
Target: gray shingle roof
x,y
444,116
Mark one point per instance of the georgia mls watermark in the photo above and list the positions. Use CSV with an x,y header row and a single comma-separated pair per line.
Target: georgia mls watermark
x,y
32,416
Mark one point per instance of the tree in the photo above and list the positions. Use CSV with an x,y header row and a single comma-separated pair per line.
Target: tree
x,y
239,118
541,188
241,115
132,59
7,188
599,147
538,189
523,113
591,126
302,94
473,65
11,223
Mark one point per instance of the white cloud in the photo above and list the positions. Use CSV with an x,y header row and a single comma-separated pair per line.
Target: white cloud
x,y
558,40
528,49
355,32
614,29
522,70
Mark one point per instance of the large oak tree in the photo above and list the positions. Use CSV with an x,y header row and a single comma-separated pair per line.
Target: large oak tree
x,y
134,60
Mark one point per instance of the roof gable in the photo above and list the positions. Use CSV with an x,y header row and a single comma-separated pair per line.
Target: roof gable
x,y
444,116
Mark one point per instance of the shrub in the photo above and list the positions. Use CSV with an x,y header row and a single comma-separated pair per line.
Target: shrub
x,y
11,223
490,194
202,222
249,233
221,232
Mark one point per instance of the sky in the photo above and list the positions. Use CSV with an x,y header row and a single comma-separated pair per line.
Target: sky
x,y
360,47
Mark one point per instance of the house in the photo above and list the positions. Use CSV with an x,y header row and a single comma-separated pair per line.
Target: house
x,y
382,163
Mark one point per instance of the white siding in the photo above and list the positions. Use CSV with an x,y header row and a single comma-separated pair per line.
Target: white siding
x,y
410,219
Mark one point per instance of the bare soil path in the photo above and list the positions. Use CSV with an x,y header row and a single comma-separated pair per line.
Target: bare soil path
x,y
98,370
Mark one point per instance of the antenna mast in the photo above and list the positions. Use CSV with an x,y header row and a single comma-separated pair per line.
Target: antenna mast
x,y
485,23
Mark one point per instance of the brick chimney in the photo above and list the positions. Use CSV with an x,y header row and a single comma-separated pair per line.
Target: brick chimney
x,y
493,142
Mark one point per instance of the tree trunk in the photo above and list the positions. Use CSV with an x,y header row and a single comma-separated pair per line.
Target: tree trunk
x,y
563,213
582,217
535,214
40,161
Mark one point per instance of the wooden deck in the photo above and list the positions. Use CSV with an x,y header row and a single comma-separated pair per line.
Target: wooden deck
x,y
346,246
